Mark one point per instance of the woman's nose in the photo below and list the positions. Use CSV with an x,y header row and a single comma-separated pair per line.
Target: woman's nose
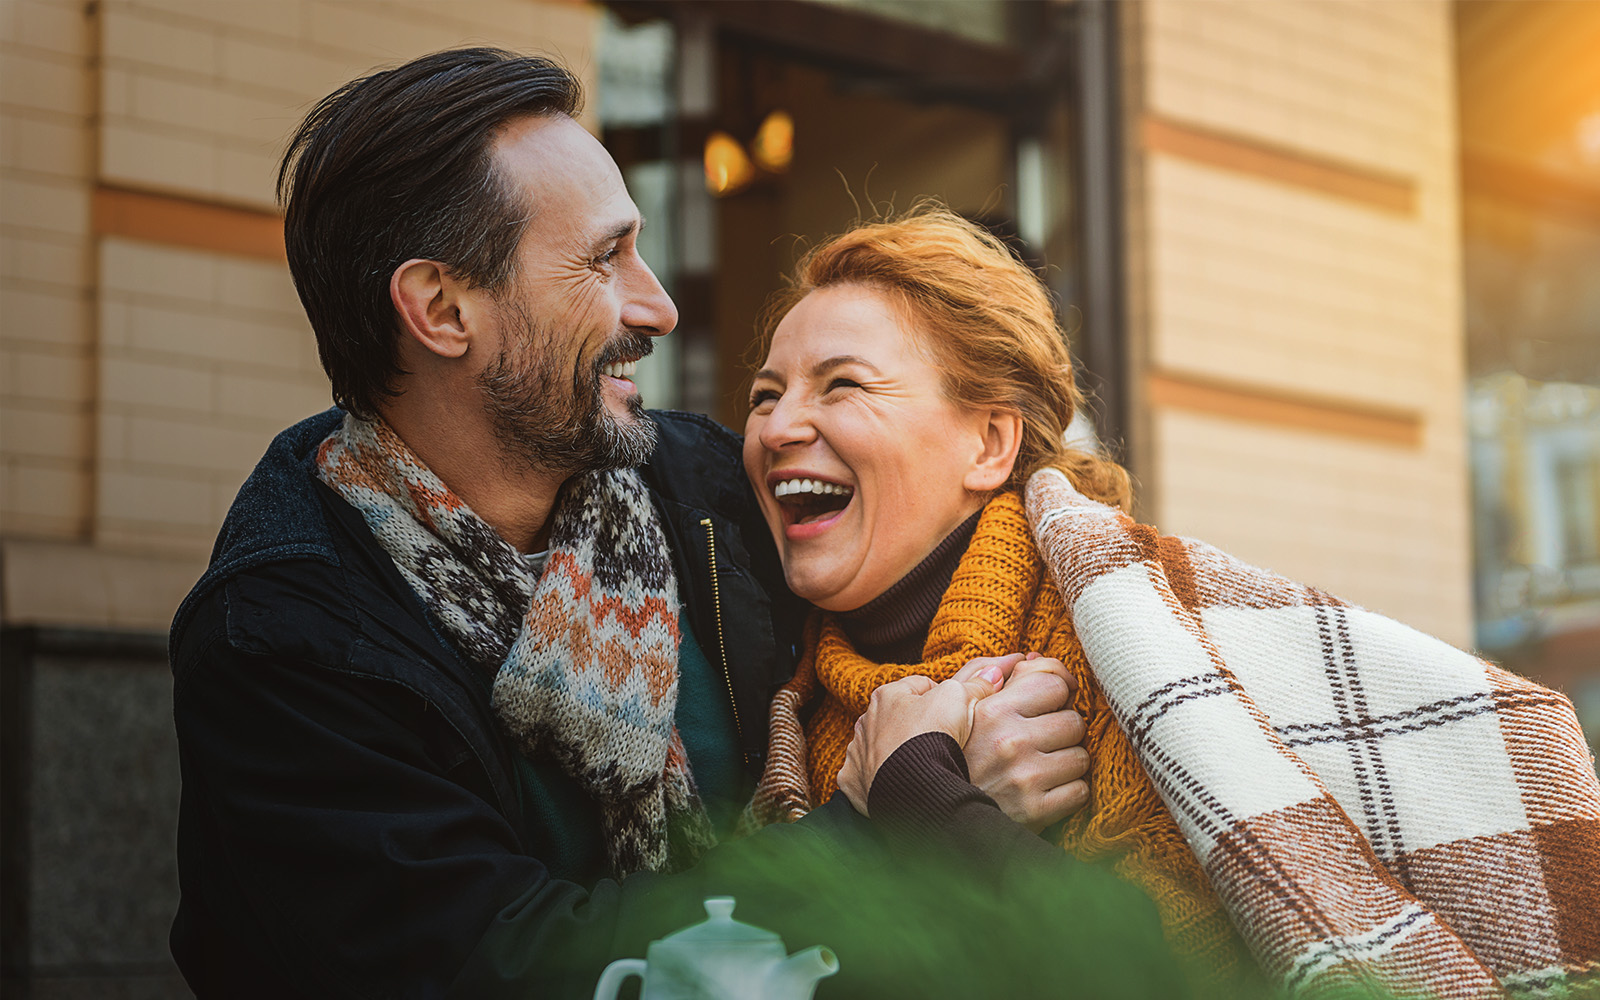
x,y
787,424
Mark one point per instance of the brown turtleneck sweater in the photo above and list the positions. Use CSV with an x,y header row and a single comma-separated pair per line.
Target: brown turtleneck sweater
x,y
893,627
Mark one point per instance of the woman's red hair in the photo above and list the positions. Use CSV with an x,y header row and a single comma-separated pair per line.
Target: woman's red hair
x,y
985,318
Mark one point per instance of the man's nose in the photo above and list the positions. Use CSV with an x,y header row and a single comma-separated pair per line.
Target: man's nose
x,y
648,308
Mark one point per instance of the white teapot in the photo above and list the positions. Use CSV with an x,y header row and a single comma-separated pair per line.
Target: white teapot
x,y
720,959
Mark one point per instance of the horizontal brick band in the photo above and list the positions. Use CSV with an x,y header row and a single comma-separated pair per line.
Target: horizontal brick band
x,y
187,222
1242,154
1285,409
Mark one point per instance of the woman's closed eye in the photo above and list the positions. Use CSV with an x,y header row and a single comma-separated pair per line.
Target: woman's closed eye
x,y
759,397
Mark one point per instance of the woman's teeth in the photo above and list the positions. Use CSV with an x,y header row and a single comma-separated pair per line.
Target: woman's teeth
x,y
788,487
809,500
620,369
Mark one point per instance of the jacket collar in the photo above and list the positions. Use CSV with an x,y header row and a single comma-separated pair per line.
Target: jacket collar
x,y
276,515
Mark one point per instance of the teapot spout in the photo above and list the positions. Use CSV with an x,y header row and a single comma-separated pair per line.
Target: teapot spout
x,y
795,978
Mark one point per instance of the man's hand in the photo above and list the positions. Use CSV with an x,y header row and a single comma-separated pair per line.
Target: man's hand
x,y
910,707
1024,749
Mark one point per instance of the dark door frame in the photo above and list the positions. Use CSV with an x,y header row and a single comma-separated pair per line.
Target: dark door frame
x,y
1072,55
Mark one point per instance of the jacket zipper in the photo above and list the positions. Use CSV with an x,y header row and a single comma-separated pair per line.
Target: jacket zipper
x,y
722,643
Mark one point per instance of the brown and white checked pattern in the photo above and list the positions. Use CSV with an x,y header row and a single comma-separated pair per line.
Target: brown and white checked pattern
x,y
1375,807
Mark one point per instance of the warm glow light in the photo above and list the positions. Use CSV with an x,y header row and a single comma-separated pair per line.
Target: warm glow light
x,y
773,147
728,169
1589,139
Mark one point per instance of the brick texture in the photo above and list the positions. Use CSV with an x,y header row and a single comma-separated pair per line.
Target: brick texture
x,y
202,359
1294,291
140,382
200,97
46,360
1357,518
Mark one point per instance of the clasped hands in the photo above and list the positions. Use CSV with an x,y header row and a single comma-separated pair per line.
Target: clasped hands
x,y
1021,742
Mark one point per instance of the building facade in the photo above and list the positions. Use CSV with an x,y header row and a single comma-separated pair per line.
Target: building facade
x,y
1251,211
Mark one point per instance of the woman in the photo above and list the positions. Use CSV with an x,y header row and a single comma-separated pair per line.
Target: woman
x,y
915,379
896,508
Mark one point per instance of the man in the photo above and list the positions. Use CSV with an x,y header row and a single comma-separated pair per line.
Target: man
x,y
443,726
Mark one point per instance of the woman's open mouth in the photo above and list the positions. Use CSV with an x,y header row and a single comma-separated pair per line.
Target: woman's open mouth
x,y
810,502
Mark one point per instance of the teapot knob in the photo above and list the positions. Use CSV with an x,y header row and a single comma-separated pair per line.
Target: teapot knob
x,y
719,907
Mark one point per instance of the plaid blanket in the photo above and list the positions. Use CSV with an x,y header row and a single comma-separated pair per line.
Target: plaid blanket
x,y
1377,809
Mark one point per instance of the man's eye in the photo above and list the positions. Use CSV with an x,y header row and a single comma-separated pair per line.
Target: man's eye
x,y
606,258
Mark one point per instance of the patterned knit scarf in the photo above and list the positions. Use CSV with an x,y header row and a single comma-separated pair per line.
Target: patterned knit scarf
x,y
584,659
1001,601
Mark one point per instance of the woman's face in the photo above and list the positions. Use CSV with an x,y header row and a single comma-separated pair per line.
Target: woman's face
x,y
860,463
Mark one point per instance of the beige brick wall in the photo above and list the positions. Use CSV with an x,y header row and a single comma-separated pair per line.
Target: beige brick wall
x,y
140,382
203,357
1294,291
200,95
46,335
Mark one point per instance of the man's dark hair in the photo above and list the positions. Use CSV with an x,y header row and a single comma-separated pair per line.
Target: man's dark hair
x,y
396,165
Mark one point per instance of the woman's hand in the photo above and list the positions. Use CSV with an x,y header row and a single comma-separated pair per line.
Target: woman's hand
x,y
1024,750
910,707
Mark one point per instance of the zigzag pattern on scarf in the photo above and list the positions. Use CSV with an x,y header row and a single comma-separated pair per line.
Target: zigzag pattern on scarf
x,y
583,660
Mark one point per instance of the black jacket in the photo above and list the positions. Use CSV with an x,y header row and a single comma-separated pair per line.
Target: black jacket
x,y
349,811
349,823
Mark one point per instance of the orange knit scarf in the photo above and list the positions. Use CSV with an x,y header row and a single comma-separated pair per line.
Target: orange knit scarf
x,y
1002,601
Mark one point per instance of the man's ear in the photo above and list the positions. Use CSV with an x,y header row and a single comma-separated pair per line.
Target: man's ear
x,y
429,303
1001,438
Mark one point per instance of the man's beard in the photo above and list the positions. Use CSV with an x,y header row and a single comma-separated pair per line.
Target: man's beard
x,y
550,423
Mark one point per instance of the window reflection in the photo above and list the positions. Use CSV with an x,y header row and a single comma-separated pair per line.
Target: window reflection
x,y
1530,136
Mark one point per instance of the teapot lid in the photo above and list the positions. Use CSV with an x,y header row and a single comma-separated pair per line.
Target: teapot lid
x,y
719,927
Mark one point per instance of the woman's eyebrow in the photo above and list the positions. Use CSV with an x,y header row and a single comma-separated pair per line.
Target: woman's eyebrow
x,y
840,360
821,368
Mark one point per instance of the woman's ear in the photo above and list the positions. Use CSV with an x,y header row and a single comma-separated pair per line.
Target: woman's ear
x,y
1001,438
429,304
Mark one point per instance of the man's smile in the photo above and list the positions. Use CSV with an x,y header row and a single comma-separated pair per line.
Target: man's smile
x,y
621,359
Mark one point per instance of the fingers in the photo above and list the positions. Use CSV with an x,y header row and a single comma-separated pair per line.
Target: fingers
x,y
908,707
1057,804
1038,789
1012,749
958,700
1059,730
985,682
1015,666
1007,665
914,684
1030,695
1062,767
1033,663
855,778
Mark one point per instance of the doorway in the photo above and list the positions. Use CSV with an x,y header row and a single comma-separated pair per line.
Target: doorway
x,y
790,120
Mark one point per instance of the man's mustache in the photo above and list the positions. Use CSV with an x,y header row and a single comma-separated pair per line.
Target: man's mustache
x,y
634,346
